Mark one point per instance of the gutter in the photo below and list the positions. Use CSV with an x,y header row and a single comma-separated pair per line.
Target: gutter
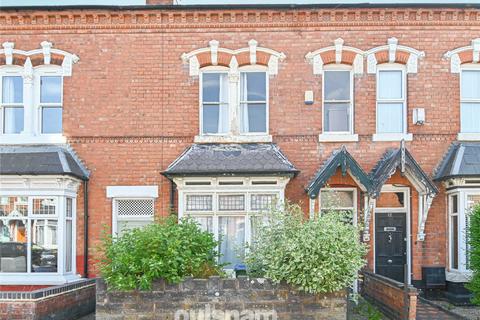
x,y
242,6
85,227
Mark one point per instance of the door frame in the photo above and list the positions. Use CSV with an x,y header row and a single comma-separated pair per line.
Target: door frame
x,y
407,211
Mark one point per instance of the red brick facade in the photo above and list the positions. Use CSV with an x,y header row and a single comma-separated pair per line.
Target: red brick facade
x,y
131,108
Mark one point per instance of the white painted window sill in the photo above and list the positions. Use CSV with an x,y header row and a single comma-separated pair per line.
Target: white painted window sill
x,y
392,137
337,137
468,136
31,139
263,138
37,279
458,276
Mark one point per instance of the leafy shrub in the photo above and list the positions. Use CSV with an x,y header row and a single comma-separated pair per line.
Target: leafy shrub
x,y
317,256
165,249
474,253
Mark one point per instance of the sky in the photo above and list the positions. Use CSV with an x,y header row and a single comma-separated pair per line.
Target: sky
x,y
193,2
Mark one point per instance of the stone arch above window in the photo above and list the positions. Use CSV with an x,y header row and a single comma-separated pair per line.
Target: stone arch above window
x,y
336,54
462,55
214,55
392,52
46,55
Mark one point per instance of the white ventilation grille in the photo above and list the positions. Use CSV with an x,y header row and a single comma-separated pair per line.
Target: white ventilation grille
x,y
135,207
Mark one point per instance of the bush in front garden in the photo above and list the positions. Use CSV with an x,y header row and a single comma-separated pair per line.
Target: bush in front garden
x,y
317,256
474,253
163,250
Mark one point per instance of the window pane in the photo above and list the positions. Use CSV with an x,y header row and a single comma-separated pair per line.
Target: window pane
x,y
13,207
262,201
51,120
390,85
337,117
454,199
68,246
215,87
470,86
337,85
231,202
69,211
12,90
199,203
254,117
232,240
454,244
390,118
391,200
44,206
13,120
205,223
13,245
126,225
253,86
470,117
44,245
336,199
51,90
215,118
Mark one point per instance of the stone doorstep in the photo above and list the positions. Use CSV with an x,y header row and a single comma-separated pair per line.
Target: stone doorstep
x,y
439,306
40,294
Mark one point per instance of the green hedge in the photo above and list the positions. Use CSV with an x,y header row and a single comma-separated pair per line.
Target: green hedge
x,y
474,253
163,250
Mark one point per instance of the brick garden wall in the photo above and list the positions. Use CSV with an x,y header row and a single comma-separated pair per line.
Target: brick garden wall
x,y
66,302
217,296
131,108
389,296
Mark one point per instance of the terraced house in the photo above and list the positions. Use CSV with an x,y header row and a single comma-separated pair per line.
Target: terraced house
x,y
114,115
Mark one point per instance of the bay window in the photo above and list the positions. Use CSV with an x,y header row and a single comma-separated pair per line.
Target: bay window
x,y
37,234
215,116
470,101
253,102
12,104
337,101
230,211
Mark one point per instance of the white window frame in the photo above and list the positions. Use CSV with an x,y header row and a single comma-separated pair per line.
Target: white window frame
x,y
32,128
39,72
234,134
59,188
334,189
216,189
380,136
335,136
212,69
118,193
247,69
10,71
467,136
451,214
462,274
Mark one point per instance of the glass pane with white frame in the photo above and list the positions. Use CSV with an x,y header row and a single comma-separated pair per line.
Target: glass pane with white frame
x,y
337,101
337,200
470,101
44,245
454,249
51,104
390,102
232,240
12,103
470,85
253,102
215,115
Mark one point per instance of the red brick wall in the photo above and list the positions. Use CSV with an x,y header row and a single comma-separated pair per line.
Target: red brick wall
x,y
131,108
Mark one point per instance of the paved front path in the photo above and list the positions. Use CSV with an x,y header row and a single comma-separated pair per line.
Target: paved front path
x,y
429,312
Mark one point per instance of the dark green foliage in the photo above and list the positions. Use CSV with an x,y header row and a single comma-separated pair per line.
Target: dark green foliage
x,y
163,250
474,253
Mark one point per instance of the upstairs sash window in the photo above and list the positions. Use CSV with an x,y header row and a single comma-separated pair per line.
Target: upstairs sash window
x,y
51,103
470,101
215,115
337,107
391,101
253,102
12,104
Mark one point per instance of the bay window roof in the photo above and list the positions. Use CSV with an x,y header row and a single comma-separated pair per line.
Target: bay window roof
x,y
41,160
231,159
461,160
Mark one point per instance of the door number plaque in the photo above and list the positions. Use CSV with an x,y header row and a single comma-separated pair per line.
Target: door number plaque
x,y
390,229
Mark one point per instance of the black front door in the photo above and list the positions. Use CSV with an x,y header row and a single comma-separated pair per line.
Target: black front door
x,y
390,244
